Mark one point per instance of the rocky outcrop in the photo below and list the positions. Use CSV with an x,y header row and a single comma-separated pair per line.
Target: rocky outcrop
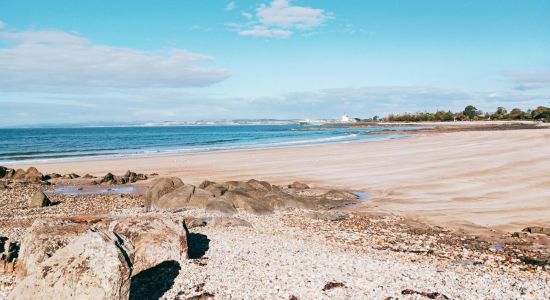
x,y
537,229
94,265
160,187
259,197
39,199
155,239
128,177
32,175
298,185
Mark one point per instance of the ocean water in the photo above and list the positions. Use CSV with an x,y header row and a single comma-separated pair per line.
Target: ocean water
x,y
54,144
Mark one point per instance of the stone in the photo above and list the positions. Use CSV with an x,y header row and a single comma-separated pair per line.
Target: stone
x,y
199,198
177,198
3,171
155,239
160,187
195,222
94,265
298,185
9,252
71,176
220,204
10,173
537,229
19,174
53,175
39,199
234,185
43,239
88,176
33,175
205,184
215,189
247,202
520,234
260,185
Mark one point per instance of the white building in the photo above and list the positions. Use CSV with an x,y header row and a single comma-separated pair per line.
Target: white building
x,y
347,119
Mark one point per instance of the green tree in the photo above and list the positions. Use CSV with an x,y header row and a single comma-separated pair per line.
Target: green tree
x,y
471,112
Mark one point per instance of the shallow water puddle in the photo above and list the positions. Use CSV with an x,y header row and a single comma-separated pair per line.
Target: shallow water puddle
x,y
79,190
362,196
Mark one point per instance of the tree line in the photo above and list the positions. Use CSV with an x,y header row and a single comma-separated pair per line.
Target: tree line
x,y
470,113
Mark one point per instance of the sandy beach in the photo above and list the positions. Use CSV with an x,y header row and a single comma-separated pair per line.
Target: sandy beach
x,y
468,179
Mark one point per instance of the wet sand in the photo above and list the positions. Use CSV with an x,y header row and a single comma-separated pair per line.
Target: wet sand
x,y
466,179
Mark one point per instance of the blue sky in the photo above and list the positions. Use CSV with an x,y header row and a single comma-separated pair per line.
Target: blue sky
x,y
81,61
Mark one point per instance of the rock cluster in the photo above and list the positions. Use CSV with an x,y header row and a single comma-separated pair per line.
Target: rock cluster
x,y
64,259
128,177
253,196
32,175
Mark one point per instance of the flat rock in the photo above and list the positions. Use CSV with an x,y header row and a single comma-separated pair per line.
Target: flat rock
x,y
39,199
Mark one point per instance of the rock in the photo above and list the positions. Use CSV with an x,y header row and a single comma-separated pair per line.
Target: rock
x,y
246,202
298,185
33,175
237,185
178,198
3,187
215,189
19,175
230,222
260,185
3,171
155,239
88,176
71,176
141,177
9,252
537,229
108,178
10,173
160,187
195,222
199,198
94,265
53,175
39,199
43,239
220,204
521,234
205,184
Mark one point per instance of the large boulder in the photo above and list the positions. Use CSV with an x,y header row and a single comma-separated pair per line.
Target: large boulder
x,y
221,205
199,198
155,239
215,189
160,187
19,175
298,185
94,266
43,239
39,199
3,171
245,201
178,198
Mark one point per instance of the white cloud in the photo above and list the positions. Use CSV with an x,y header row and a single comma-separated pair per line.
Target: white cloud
x,y
265,32
40,60
282,13
231,6
2,25
279,19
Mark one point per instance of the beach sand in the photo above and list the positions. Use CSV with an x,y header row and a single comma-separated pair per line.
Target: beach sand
x,y
469,179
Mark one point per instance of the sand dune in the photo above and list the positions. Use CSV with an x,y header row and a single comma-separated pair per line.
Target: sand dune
x,y
497,179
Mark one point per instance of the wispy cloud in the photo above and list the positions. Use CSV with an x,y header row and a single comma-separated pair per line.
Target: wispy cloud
x,y
266,32
530,80
230,6
279,19
2,25
52,59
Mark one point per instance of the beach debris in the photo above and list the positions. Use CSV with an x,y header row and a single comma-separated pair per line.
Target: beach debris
x,y
332,285
429,295
39,199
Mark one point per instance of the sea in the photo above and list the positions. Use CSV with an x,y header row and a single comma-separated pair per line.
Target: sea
x,y
77,143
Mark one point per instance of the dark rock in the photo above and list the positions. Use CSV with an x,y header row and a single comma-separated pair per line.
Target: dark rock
x,y
3,171
332,285
71,176
39,199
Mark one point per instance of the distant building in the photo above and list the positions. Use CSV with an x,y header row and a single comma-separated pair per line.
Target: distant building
x,y
346,119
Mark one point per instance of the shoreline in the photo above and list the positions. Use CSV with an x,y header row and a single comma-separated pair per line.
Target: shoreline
x,y
459,179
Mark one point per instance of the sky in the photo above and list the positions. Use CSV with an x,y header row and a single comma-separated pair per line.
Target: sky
x,y
131,61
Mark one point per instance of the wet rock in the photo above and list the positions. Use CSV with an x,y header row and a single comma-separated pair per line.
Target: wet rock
x,y
155,239
94,265
160,187
298,185
39,199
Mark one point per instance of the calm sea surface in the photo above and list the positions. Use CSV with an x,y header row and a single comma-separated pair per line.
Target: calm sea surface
x,y
47,144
